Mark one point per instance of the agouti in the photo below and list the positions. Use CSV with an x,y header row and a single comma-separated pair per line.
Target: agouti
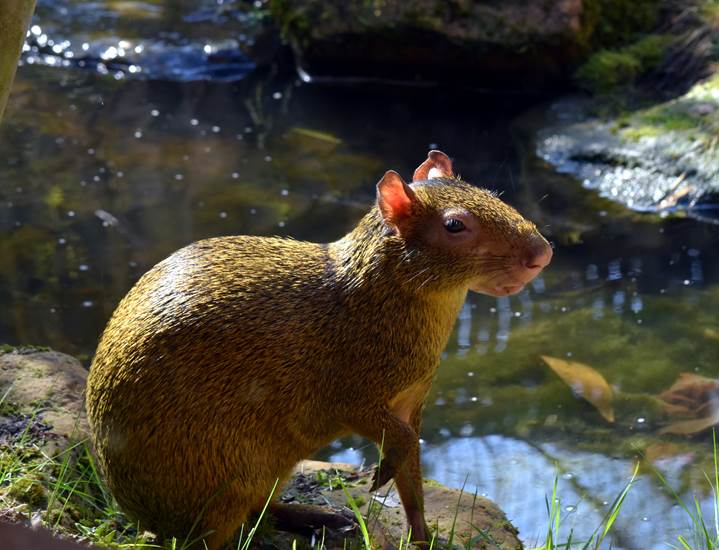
x,y
237,357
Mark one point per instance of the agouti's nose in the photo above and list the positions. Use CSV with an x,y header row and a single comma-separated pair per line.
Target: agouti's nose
x,y
538,254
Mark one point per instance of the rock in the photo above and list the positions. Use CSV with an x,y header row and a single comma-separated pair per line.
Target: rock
x,y
517,44
18,537
471,518
45,391
659,159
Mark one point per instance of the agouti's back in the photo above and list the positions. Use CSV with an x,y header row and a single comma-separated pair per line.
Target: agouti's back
x,y
236,357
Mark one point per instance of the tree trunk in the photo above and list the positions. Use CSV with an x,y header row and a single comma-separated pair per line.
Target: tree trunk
x,y
14,19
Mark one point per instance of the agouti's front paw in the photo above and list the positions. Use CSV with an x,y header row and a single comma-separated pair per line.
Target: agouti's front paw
x,y
382,474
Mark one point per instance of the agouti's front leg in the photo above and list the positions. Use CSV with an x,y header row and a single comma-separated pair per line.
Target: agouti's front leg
x,y
396,438
408,407
400,450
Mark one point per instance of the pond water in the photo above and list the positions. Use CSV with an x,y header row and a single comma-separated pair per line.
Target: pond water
x,y
100,178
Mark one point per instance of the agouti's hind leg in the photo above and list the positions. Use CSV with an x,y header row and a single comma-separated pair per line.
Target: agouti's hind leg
x,y
301,518
219,523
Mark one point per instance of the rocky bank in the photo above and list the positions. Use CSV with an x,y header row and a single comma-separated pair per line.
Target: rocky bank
x,y
663,158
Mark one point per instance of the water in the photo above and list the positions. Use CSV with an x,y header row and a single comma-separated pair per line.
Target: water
x,y
101,178
183,40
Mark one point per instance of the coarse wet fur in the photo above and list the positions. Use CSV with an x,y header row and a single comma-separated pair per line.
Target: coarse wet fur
x,y
237,357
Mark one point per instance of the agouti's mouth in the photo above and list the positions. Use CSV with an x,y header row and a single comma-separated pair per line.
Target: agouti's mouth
x,y
508,290
498,290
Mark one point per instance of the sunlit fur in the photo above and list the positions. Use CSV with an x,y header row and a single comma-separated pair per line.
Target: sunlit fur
x,y
236,357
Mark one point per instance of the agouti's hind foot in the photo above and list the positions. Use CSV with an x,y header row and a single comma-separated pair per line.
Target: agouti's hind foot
x,y
305,518
382,474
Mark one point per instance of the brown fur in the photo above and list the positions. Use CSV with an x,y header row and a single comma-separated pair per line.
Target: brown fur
x,y
237,357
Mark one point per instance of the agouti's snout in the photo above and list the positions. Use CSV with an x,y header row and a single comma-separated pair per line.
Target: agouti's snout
x,y
538,255
527,260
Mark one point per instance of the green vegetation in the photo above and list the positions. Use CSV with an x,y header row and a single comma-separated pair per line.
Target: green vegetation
x,y
554,510
710,12
612,69
693,116
705,533
68,495
9,348
65,492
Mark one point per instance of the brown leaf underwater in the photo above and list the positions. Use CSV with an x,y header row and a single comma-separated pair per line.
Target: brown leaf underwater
x,y
694,399
586,383
689,427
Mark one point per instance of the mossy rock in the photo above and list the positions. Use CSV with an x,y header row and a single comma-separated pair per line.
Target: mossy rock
x,y
45,387
29,491
514,44
659,158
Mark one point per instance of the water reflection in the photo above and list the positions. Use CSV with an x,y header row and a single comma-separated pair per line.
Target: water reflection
x,y
601,297
588,484
182,40
513,471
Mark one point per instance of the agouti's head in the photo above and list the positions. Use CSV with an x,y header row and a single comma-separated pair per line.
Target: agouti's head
x,y
454,234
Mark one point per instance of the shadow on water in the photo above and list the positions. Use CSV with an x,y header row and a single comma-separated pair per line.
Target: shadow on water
x,y
101,178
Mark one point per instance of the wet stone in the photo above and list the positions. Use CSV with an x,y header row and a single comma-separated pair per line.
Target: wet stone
x,y
660,159
44,395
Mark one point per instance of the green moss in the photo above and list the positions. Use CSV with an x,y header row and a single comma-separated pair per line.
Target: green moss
x,y
670,119
28,490
607,70
611,69
427,482
635,133
9,348
54,196
650,50
695,115
7,408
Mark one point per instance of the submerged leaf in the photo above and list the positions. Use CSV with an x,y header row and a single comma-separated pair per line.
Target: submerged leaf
x,y
688,427
692,397
586,383
690,394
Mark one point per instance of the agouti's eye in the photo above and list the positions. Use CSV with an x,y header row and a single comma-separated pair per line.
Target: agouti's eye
x,y
453,225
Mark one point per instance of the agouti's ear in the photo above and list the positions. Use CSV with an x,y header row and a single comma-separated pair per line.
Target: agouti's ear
x,y
437,165
394,198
